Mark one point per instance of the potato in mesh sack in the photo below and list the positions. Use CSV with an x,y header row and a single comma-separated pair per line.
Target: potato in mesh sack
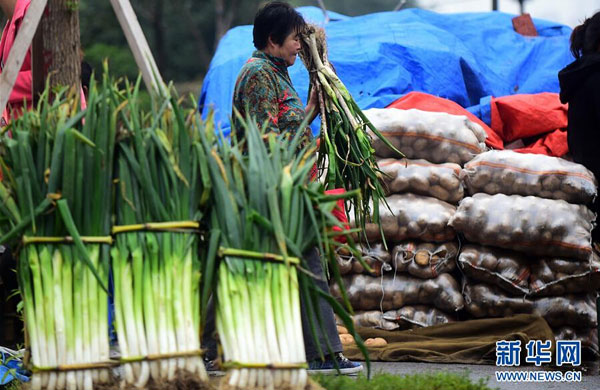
x,y
408,317
506,269
374,255
588,338
424,260
374,319
419,316
413,217
392,291
434,136
544,227
483,301
440,181
556,277
578,311
512,173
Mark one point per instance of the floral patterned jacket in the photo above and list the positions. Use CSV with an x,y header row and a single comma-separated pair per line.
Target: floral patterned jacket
x,y
264,91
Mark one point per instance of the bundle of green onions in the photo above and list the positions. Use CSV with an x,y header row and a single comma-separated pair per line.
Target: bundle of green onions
x,y
345,150
57,185
156,263
266,215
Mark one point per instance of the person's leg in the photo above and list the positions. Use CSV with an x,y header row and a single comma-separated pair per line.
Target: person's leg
x,y
209,341
329,331
313,261
209,333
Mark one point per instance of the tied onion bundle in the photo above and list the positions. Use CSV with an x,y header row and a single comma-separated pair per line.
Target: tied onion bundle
x,y
45,197
157,272
266,215
345,148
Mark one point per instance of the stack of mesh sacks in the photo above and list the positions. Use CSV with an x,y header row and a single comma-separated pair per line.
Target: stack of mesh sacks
x,y
530,250
411,283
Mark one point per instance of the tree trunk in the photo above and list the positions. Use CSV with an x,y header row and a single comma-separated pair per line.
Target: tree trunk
x,y
57,46
224,14
204,53
159,36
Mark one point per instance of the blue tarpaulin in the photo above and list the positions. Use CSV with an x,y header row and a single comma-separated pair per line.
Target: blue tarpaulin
x,y
11,368
380,57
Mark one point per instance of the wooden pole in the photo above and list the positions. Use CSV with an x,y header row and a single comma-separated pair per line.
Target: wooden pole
x,y
19,50
325,14
400,5
139,46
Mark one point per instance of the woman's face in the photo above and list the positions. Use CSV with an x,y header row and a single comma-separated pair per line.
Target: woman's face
x,y
289,49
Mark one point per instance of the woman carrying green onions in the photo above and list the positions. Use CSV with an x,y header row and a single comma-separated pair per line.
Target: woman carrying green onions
x,y
264,92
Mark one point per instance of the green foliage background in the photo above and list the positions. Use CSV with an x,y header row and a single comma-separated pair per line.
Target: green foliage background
x,y
182,33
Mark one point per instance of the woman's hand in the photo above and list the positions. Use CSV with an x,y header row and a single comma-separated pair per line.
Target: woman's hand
x,y
312,107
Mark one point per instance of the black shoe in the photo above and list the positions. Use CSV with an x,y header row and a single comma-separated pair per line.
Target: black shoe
x,y
327,366
212,367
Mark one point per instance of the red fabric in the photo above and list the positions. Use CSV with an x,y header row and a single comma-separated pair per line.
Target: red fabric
x,y
339,209
22,88
340,213
540,115
513,117
551,144
426,102
522,116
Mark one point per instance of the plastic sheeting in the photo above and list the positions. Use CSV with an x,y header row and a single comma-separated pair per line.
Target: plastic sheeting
x,y
380,57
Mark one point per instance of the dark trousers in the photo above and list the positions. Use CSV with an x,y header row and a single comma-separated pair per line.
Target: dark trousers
x,y
329,331
313,260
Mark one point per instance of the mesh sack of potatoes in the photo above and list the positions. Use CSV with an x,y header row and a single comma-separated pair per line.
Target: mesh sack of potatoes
x,y
413,217
419,316
588,337
441,181
424,260
374,255
506,269
512,173
374,319
556,277
578,311
434,136
483,300
544,227
392,291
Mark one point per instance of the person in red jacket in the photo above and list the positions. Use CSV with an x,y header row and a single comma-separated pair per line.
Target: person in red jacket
x,y
14,10
21,95
22,92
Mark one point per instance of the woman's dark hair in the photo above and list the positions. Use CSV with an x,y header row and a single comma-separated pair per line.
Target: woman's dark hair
x,y
585,38
276,20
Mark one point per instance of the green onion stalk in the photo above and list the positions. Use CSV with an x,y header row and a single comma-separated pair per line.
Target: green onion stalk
x,y
266,213
57,172
157,273
345,151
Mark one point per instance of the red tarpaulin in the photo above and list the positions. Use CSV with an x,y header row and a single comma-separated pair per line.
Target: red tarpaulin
x,y
539,120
